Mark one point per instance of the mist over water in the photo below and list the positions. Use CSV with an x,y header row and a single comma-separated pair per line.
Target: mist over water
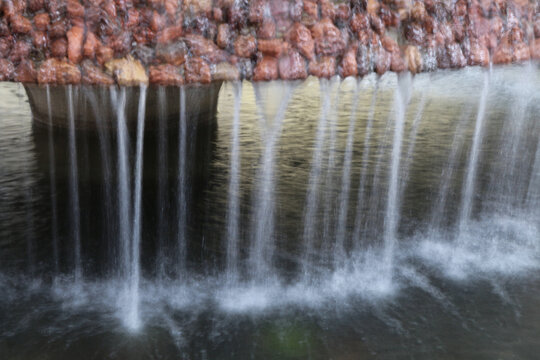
x,y
320,219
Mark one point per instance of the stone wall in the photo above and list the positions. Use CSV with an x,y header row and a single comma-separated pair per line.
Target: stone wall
x,y
172,42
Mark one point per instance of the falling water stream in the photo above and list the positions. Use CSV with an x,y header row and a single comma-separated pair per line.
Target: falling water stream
x,y
74,189
472,167
52,175
262,248
388,217
233,230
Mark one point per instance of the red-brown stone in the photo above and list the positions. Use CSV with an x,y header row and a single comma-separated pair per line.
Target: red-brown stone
x,y
328,38
245,46
327,10
133,18
292,66
41,21
535,49
256,10
503,53
455,54
25,72
349,65
300,36
202,47
57,29
197,71
266,69
35,5
223,39
94,75
6,70
267,30
169,34
39,39
521,53
104,54
536,27
165,74
75,37
311,12
479,54
61,72
5,47
20,51
377,24
274,47
59,48
383,61
324,67
75,9
91,44
174,54
343,13
20,24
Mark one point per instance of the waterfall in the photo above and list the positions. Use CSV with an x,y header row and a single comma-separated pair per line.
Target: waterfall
x,y
343,202
233,212
312,196
182,185
412,143
124,189
363,171
109,230
74,188
163,176
133,321
447,175
533,189
392,216
329,198
262,244
52,179
472,166
507,190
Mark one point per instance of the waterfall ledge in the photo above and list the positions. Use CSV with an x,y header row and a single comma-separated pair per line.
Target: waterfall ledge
x,y
96,103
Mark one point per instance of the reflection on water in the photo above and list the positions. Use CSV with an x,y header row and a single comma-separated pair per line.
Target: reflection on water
x,y
380,219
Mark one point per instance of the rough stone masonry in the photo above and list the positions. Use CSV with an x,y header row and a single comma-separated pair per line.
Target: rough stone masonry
x,y
174,42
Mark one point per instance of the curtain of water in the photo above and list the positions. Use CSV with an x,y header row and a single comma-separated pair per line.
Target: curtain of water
x,y
412,144
508,188
133,319
74,187
233,212
329,197
343,202
472,167
363,171
312,196
52,179
124,188
163,176
447,175
182,185
392,216
106,166
262,244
